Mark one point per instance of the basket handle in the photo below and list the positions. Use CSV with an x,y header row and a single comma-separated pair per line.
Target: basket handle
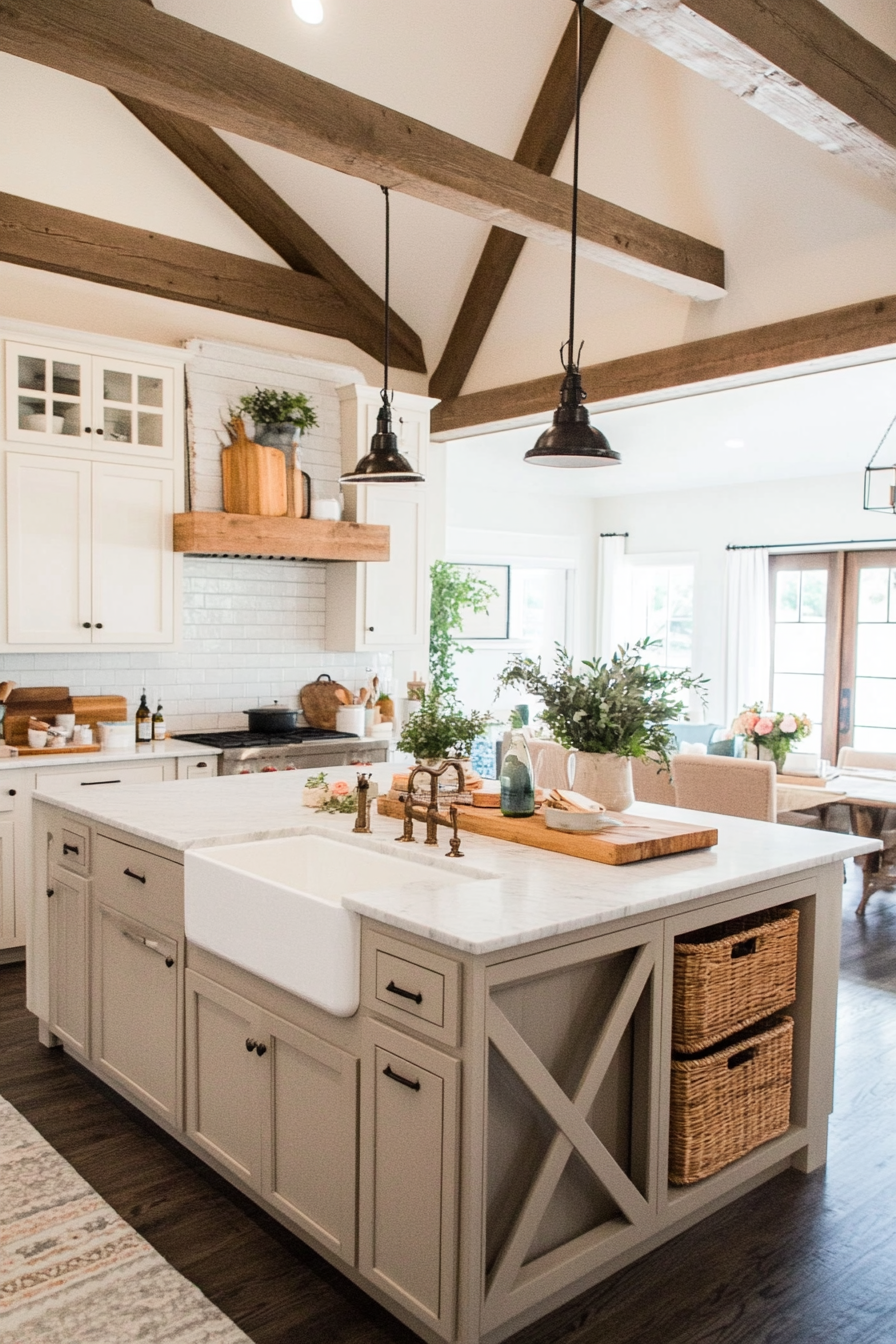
x,y
743,949
744,1057
324,676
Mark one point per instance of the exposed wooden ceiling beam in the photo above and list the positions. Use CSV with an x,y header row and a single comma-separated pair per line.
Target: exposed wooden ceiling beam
x,y
135,49
228,175
51,239
839,331
539,149
794,60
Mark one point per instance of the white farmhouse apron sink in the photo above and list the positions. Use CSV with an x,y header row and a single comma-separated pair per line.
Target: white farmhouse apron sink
x,y
274,907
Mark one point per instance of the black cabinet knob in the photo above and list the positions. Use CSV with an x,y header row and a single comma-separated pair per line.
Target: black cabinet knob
x,y
87,429
370,629
49,892
99,625
261,1049
12,793
86,625
250,1044
99,431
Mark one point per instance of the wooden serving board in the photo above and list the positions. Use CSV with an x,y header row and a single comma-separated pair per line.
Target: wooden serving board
x,y
637,838
56,751
321,699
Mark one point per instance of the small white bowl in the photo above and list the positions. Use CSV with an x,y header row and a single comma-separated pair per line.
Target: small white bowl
x,y
67,723
37,737
582,822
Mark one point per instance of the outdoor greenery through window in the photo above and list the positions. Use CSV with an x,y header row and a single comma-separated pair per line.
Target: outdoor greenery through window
x,y
662,610
799,646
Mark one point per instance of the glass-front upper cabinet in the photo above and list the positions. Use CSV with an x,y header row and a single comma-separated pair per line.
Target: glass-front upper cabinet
x,y
60,398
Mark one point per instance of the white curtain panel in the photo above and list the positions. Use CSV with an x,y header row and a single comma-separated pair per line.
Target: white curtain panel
x,y
612,601
747,652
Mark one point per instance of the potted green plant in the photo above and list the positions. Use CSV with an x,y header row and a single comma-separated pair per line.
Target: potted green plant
x,y
438,730
279,418
607,713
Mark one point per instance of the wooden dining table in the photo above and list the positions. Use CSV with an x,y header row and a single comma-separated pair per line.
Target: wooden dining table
x,y
869,796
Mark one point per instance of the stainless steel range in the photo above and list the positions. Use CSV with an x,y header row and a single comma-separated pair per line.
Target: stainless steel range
x,y
245,753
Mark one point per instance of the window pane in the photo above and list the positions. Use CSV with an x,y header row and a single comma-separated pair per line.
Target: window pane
x,y
814,595
32,373
663,611
875,739
787,595
799,693
876,651
799,648
149,391
876,702
116,385
66,379
893,594
873,586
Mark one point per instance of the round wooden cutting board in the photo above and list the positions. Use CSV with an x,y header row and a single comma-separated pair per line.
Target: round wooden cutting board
x,y
320,700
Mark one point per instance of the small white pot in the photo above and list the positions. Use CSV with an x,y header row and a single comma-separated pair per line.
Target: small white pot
x,y
602,776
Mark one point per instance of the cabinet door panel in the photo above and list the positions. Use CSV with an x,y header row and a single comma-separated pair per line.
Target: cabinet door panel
x,y
395,591
225,1081
309,1133
133,587
68,918
48,396
136,1009
48,550
133,408
10,934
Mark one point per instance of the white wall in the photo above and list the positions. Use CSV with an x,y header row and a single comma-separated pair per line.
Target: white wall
x,y
254,630
704,522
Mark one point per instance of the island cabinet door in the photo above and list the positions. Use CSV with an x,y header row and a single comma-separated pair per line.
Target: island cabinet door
x,y
407,1211
68,898
309,1133
226,1077
137,1009
10,932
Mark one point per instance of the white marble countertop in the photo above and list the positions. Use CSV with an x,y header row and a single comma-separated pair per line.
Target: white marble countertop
x,y
535,894
56,757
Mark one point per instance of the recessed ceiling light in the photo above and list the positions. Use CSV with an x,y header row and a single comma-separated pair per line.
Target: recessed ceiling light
x,y
309,11
735,443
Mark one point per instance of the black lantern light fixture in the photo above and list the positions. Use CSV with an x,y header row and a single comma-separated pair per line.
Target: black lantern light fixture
x,y
880,481
384,464
572,440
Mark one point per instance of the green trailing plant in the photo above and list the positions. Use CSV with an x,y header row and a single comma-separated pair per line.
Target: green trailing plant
x,y
267,406
623,706
454,591
437,730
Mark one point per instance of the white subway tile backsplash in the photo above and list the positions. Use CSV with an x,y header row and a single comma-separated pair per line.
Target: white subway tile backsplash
x,y
253,630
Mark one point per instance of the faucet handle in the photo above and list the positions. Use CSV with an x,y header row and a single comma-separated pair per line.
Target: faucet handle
x,y
454,849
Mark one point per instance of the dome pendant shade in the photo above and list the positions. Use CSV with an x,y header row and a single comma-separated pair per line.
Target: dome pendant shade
x,y
572,440
384,464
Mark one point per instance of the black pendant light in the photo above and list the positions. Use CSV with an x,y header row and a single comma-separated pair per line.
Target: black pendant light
x,y
572,440
384,464
880,480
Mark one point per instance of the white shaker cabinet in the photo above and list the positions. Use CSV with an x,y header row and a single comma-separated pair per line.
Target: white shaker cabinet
x,y
89,555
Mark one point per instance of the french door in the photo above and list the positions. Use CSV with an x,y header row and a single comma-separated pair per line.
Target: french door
x,y
833,641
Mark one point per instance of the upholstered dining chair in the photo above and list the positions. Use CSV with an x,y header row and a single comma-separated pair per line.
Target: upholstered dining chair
x,y
880,869
651,783
853,759
725,784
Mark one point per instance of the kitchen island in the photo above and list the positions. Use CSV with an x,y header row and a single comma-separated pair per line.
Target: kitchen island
x,y
487,1134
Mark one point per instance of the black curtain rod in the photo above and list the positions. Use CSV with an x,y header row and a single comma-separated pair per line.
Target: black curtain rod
x,y
788,545
614,534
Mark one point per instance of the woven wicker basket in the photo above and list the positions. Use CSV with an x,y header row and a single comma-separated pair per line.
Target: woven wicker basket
x,y
731,975
729,1100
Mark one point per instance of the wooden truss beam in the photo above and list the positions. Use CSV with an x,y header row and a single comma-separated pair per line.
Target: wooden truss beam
x,y
839,331
794,60
539,149
51,239
138,51
228,175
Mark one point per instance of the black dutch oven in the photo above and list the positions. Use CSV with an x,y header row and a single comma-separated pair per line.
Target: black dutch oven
x,y
273,718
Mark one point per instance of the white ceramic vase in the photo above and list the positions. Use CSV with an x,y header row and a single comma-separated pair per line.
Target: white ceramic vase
x,y
602,776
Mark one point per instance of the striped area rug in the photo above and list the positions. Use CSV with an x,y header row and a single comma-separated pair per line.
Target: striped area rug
x,y
73,1272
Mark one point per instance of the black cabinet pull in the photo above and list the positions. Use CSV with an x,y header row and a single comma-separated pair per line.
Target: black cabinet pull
x,y
50,892
250,1044
91,783
397,1078
169,962
99,625
70,849
201,765
392,988
12,793
135,876
86,625
261,1049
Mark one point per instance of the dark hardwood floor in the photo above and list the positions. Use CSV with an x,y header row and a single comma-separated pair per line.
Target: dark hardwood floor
x,y
802,1260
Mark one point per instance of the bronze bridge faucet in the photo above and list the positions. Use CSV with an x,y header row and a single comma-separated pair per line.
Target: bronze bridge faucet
x,y
432,816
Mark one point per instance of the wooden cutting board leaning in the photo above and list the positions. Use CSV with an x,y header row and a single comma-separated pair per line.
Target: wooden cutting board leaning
x,y
635,839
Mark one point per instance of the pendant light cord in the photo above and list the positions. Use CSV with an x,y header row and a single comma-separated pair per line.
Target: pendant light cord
x,y
385,394
572,363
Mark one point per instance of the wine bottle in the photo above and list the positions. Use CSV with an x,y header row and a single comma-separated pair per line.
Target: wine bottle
x,y
158,725
144,720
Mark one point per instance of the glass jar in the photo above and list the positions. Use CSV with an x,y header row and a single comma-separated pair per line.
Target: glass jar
x,y
517,779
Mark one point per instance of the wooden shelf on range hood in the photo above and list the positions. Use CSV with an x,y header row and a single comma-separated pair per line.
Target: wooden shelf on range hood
x,y
292,538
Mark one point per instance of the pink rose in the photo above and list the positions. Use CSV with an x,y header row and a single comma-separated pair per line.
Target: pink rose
x,y
340,789
763,727
749,720
788,724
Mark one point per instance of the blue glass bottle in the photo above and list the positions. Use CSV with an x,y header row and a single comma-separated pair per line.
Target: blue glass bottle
x,y
517,779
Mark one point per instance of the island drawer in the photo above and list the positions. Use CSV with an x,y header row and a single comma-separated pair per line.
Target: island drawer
x,y
71,846
403,982
138,883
